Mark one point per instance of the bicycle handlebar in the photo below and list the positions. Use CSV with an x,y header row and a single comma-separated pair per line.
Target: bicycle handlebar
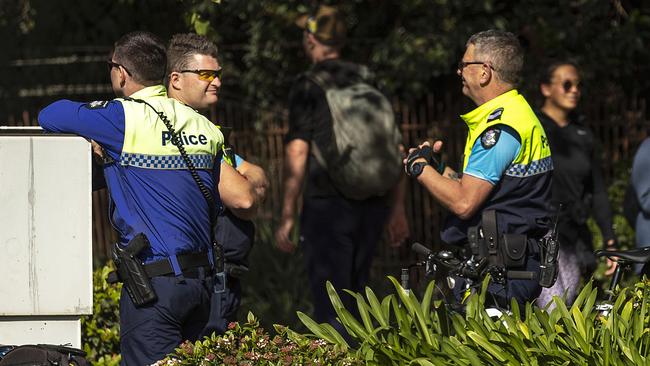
x,y
421,249
447,260
469,268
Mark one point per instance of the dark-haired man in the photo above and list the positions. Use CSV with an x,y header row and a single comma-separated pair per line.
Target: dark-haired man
x,y
194,78
506,182
154,196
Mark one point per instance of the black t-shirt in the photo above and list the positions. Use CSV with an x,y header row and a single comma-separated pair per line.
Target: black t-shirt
x,y
578,182
310,120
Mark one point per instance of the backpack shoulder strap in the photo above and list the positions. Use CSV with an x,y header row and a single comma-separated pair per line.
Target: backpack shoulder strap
x,y
325,81
315,150
365,73
321,78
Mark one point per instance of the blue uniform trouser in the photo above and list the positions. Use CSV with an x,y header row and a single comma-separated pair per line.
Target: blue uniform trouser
x,y
500,295
339,238
149,333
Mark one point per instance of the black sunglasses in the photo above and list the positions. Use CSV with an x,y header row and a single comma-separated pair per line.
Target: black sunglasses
x,y
207,75
112,64
463,64
568,84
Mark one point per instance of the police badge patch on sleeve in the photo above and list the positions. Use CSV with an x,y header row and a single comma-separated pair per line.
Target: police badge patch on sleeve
x,y
98,104
490,137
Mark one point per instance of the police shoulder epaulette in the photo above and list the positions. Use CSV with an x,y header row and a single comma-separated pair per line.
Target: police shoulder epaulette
x,y
495,115
98,104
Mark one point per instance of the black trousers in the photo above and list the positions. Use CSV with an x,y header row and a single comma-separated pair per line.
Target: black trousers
x,y
339,237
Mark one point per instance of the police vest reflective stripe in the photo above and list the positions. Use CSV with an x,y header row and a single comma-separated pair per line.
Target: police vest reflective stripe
x,y
147,142
511,109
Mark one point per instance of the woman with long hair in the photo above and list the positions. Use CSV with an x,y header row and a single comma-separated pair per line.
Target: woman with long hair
x,y
578,189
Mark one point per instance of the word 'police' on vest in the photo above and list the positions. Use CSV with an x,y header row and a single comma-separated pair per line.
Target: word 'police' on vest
x,y
185,138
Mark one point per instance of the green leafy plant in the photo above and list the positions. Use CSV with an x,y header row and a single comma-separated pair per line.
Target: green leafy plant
x,y
401,330
249,344
100,332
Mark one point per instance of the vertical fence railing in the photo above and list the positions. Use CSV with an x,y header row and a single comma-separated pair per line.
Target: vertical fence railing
x,y
258,136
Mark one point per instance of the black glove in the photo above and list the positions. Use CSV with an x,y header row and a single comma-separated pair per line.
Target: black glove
x,y
433,159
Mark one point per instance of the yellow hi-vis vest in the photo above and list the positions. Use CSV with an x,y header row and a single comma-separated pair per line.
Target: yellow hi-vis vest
x,y
511,109
520,199
148,143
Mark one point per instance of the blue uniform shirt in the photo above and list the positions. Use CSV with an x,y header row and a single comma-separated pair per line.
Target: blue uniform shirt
x,y
166,205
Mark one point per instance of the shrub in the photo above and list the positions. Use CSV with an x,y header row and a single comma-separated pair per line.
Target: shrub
x,y
100,332
401,330
248,344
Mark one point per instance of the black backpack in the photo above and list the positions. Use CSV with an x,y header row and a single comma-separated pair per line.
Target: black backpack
x,y
43,355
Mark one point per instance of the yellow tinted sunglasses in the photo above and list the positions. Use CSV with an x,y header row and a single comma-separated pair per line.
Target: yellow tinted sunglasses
x,y
207,75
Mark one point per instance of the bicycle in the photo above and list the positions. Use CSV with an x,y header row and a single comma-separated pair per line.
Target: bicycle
x,y
470,269
474,271
624,260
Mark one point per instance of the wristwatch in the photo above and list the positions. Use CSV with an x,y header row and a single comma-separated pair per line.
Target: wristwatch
x,y
415,169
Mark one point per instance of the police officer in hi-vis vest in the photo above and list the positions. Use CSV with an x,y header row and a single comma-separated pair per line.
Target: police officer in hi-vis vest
x,y
505,183
194,78
157,207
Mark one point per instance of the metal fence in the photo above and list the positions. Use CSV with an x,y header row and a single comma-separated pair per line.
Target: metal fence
x,y
258,136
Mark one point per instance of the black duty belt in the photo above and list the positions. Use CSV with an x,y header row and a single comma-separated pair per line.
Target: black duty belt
x,y
189,264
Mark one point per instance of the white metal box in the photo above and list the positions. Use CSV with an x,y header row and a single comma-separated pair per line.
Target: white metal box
x,y
45,236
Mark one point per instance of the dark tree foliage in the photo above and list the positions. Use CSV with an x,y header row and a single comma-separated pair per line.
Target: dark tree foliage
x,y
39,26
413,45
58,49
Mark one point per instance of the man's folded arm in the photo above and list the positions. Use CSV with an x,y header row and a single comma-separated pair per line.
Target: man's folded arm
x,y
102,121
237,193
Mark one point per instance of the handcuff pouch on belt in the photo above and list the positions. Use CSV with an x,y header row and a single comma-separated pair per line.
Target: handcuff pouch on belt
x,y
503,251
131,271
